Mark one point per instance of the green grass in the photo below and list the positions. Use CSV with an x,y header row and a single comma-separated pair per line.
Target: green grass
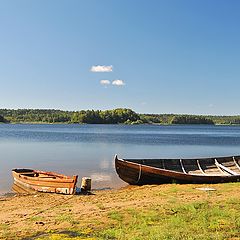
x,y
4,231
196,221
115,216
36,219
66,218
176,216
199,220
64,236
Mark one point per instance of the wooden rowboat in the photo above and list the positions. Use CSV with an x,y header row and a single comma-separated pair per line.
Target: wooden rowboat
x,y
44,181
158,171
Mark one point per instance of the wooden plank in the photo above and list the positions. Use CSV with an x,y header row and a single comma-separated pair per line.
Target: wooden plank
x,y
225,168
200,168
236,163
183,169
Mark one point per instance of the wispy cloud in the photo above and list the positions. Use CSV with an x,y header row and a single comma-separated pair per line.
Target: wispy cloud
x,y
118,82
105,82
101,68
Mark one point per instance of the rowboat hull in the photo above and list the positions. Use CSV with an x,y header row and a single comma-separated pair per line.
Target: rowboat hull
x,y
139,172
44,181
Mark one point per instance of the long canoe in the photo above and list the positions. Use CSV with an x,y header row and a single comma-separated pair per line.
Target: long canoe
x,y
159,171
44,181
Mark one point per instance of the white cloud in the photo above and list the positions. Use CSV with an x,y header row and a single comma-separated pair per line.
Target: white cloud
x,y
105,82
118,82
100,68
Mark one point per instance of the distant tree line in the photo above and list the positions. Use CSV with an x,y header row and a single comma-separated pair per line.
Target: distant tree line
x,y
185,119
2,119
189,119
115,116
36,115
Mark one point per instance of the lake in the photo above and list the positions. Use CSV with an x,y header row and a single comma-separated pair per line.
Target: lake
x,y
88,150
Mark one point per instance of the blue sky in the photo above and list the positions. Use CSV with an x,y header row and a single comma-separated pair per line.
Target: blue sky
x,y
172,56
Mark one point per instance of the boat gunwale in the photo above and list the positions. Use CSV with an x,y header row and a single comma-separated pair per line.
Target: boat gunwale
x,y
200,158
182,174
59,177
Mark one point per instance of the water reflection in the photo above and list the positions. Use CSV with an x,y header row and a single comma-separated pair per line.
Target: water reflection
x,y
101,177
104,164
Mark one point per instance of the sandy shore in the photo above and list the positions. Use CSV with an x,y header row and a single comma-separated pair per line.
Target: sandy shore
x,y
32,215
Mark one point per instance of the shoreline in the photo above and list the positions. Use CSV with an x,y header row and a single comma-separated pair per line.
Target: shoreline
x,y
118,124
123,124
127,213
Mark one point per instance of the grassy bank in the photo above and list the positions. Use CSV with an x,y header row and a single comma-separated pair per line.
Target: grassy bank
x,y
147,212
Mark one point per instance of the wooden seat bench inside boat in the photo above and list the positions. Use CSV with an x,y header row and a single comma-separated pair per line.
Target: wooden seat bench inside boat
x,y
36,174
27,172
33,173
220,169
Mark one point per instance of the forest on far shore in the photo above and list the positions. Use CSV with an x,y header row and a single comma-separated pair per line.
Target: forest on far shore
x,y
115,116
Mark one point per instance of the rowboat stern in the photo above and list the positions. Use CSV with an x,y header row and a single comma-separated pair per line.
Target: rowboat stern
x,y
74,184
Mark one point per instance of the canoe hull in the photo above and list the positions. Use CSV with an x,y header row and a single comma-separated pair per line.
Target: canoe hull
x,y
49,182
138,174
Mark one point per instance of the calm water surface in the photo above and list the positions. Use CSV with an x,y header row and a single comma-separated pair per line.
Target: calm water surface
x,y
88,150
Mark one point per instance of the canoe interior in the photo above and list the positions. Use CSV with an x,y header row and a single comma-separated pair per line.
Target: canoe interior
x,y
220,166
40,174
